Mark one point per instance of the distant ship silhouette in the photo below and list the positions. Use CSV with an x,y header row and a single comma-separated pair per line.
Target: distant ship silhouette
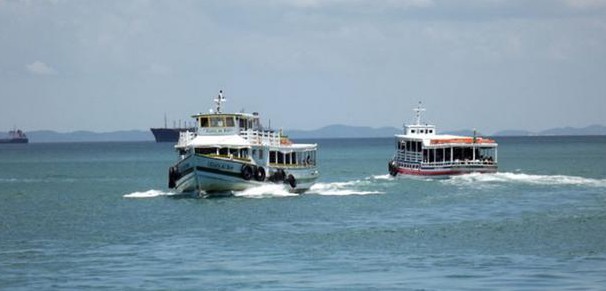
x,y
15,136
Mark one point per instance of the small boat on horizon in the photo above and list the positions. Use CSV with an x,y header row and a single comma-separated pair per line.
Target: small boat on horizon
x,y
420,151
234,152
15,136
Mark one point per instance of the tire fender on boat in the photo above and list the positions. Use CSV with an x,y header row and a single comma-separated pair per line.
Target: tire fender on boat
x,y
393,168
173,176
278,176
291,181
260,174
247,172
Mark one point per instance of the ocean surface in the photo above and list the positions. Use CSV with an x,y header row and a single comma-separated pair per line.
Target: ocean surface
x,y
81,216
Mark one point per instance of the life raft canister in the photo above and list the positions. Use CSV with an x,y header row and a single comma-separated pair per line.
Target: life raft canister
x,y
247,172
260,174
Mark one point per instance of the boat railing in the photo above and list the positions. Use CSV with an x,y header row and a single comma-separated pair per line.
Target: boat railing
x,y
185,137
409,156
483,162
261,137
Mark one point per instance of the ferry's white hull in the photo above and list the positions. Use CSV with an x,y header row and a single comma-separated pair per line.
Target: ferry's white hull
x,y
219,176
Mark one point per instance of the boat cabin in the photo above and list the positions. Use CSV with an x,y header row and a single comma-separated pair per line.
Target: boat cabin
x,y
302,157
446,150
226,123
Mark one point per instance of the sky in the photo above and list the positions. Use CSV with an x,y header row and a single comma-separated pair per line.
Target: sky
x,y
68,65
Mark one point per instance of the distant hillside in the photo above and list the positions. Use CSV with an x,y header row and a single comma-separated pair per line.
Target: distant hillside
x,y
588,130
331,131
87,136
465,132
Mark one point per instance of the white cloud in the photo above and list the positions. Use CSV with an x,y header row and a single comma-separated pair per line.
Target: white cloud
x,y
40,68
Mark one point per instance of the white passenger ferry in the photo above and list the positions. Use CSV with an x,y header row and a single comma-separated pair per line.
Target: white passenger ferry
x,y
421,151
233,151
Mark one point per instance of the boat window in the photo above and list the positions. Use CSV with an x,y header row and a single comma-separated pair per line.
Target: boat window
x,y
217,121
272,157
229,121
233,152
412,131
203,122
206,151
223,151
243,153
260,154
242,124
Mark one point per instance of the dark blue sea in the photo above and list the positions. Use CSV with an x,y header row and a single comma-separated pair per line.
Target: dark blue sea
x,y
81,216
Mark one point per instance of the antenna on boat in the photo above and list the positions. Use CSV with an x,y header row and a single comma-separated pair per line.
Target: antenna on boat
x,y
418,111
219,100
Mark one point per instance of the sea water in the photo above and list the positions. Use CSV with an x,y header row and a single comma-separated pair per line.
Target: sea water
x,y
77,216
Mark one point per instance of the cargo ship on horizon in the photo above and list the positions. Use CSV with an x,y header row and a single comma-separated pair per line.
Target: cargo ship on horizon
x,y
15,136
166,134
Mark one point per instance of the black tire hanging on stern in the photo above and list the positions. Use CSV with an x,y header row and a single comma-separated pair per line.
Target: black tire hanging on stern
x,y
291,181
247,172
393,168
171,178
260,174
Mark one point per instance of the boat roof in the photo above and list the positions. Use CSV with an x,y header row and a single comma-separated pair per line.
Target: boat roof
x,y
234,141
447,139
294,147
211,114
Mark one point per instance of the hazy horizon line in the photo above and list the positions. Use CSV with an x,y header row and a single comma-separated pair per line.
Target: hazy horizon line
x,y
311,130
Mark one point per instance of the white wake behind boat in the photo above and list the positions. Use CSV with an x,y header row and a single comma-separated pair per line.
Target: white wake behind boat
x,y
420,151
234,152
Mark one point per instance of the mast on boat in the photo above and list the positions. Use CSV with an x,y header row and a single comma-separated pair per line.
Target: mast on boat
x,y
418,111
219,101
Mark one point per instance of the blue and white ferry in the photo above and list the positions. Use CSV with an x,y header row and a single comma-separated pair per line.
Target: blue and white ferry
x,y
234,152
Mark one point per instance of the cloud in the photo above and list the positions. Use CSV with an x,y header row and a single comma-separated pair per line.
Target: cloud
x,y
40,68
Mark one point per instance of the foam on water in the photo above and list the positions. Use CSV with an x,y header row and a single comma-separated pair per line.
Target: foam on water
x,y
148,194
341,188
265,191
381,177
521,178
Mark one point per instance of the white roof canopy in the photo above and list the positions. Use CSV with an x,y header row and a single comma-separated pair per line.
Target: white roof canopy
x,y
233,141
